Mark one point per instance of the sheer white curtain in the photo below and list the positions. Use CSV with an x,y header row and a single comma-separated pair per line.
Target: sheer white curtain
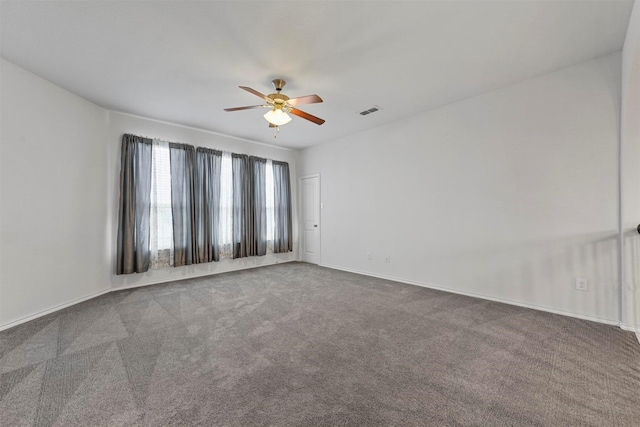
x,y
270,202
226,207
161,223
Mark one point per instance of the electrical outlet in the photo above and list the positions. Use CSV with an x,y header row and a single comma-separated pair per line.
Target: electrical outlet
x,y
369,256
581,284
387,258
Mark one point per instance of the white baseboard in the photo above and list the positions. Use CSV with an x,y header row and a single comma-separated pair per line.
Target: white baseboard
x,y
106,291
195,276
485,297
630,328
395,279
51,310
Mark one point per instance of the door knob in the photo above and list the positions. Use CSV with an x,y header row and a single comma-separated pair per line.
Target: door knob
x,y
315,225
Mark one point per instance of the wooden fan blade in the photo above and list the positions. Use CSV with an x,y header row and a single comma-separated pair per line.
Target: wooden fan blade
x,y
309,99
300,113
243,108
271,125
253,91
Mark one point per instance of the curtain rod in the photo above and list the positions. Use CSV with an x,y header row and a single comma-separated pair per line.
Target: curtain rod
x,y
196,146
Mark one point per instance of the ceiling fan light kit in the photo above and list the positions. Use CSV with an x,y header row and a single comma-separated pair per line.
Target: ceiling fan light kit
x,y
281,104
277,116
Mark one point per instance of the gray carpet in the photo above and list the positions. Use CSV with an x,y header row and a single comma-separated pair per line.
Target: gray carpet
x,y
296,344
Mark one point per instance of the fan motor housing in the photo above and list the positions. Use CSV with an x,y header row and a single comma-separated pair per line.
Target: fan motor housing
x,y
278,98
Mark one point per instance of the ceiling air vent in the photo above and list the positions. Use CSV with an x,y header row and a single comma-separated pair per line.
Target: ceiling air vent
x,y
370,110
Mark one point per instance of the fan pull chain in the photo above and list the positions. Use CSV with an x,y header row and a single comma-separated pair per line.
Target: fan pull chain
x,y
275,135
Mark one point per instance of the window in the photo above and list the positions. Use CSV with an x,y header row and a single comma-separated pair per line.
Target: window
x,y
226,205
161,221
270,196
177,205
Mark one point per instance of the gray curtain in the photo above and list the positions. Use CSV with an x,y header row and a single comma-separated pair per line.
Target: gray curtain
x,y
241,198
207,191
283,236
183,203
195,205
258,207
249,206
133,218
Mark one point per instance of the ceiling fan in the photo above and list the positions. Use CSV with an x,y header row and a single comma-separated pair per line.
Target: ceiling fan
x,y
280,104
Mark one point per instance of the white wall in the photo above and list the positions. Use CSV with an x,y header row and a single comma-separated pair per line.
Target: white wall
x,y
123,123
59,175
509,195
53,184
630,172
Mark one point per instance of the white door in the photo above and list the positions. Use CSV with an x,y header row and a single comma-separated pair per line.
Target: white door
x,y
310,219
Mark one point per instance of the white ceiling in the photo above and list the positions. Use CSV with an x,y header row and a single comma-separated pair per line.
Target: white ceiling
x,y
182,61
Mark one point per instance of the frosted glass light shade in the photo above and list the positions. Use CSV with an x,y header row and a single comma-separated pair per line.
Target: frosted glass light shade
x,y
277,117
